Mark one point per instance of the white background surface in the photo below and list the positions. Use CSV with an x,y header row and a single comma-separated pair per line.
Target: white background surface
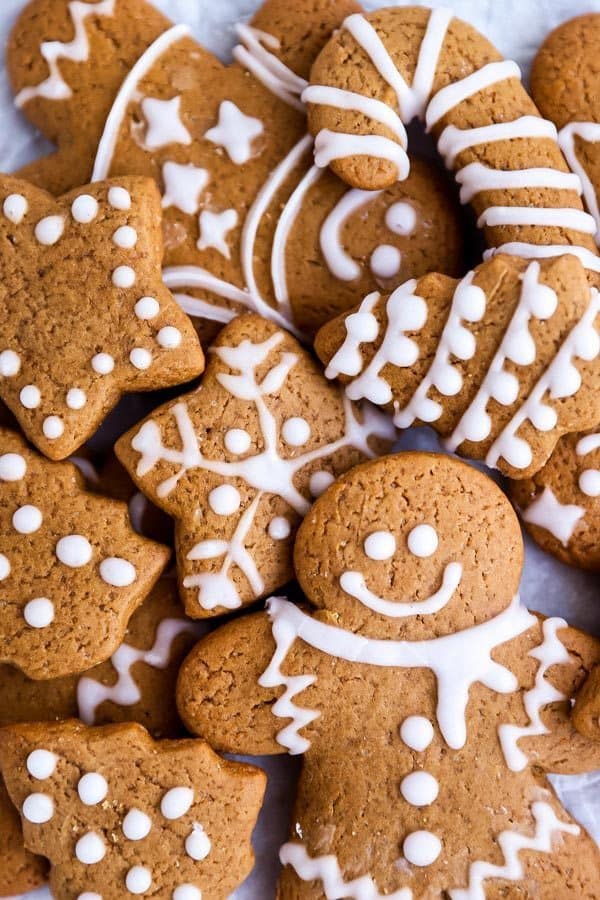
x,y
517,27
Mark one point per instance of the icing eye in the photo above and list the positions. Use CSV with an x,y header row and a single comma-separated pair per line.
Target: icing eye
x,y
380,545
423,540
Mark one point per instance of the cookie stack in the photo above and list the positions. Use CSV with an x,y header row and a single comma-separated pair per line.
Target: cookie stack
x,y
260,234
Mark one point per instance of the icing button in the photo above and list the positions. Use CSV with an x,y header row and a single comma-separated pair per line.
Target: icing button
x,y
421,848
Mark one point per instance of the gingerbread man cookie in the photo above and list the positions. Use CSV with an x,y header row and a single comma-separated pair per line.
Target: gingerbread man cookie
x,y
118,814
72,568
86,266
248,221
428,703
238,461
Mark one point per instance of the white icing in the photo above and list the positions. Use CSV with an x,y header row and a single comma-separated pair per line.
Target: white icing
x,y
41,764
138,880
476,177
164,124
38,808
361,327
103,363
92,788
458,91
117,572
458,661
126,692
589,480
237,440
147,308
15,208
136,825
386,261
235,132
574,219
74,551
4,567
12,467
169,337
334,145
39,613
183,186
353,583
423,540
401,218
295,431
90,849
123,277
339,262
30,396
590,133
10,363
53,427
176,802
453,140
588,259
320,95
187,892
550,652
76,398
197,843
128,92
27,519
214,228
224,500
380,545
84,209
560,519
512,844
119,198
125,237
279,528
140,358
49,231
416,732
77,50
267,68
419,788
319,482
421,848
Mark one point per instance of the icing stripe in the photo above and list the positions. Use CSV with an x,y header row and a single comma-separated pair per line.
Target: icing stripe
x,y
453,140
572,219
374,109
204,309
589,132
332,145
266,67
326,869
476,177
453,94
587,258
338,261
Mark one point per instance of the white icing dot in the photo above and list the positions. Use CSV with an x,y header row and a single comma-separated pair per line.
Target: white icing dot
x,y
41,764
49,230
92,788
279,528
10,363
89,895
386,261
237,440
4,567
118,572
423,540
119,198
380,545
136,825
15,208
401,218
589,483
176,802
84,209
187,892
416,732
39,613
138,880
123,277
147,308
30,396
197,844
140,358
419,788
27,519
103,363
12,467
53,427
421,848
125,237
319,482
74,551
169,337
38,808
224,500
76,398
90,849
295,431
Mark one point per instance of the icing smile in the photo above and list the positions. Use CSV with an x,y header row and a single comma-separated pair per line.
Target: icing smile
x,y
353,583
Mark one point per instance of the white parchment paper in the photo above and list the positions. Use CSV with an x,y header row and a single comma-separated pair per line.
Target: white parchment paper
x,y
517,27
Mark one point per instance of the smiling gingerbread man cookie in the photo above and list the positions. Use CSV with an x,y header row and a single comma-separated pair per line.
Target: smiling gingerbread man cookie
x,y
428,703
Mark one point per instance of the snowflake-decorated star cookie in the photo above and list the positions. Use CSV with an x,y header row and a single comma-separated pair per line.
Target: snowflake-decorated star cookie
x,y
118,814
249,221
84,316
72,569
238,462
428,703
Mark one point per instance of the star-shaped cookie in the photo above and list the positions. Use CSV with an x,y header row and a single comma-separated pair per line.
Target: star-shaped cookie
x,y
84,315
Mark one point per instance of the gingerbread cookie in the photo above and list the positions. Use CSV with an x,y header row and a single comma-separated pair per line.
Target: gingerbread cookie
x,y
146,518
117,813
586,711
428,703
72,569
248,221
238,461
501,363
67,354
